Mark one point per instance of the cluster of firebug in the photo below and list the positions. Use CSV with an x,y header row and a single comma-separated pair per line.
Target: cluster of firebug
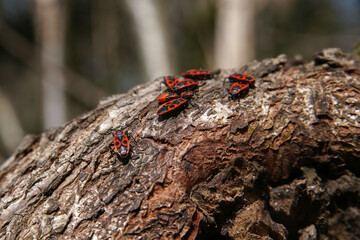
x,y
240,84
180,91
174,100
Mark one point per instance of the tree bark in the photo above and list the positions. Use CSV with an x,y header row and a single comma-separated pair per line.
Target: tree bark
x,y
281,162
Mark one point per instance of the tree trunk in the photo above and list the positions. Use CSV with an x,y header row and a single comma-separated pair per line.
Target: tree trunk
x,y
234,41
11,131
280,162
50,33
151,37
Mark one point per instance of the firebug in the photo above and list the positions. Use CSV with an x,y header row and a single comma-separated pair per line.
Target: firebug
x,y
171,106
121,144
199,74
165,97
187,94
244,78
237,89
185,84
170,82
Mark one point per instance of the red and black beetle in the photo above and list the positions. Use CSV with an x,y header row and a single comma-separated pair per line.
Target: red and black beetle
x,y
185,84
171,107
199,74
121,144
170,82
244,78
237,89
165,97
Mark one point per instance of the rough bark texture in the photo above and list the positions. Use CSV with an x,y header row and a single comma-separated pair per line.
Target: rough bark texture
x,y
281,162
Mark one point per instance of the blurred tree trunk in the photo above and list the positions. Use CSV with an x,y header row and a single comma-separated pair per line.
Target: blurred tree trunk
x,y
11,131
26,52
234,33
105,36
280,162
151,38
50,32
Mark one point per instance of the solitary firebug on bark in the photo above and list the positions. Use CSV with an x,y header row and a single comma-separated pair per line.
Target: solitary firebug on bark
x,y
199,74
171,106
121,144
244,78
237,89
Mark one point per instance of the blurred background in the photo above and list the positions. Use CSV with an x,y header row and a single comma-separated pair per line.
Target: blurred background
x,y
59,57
